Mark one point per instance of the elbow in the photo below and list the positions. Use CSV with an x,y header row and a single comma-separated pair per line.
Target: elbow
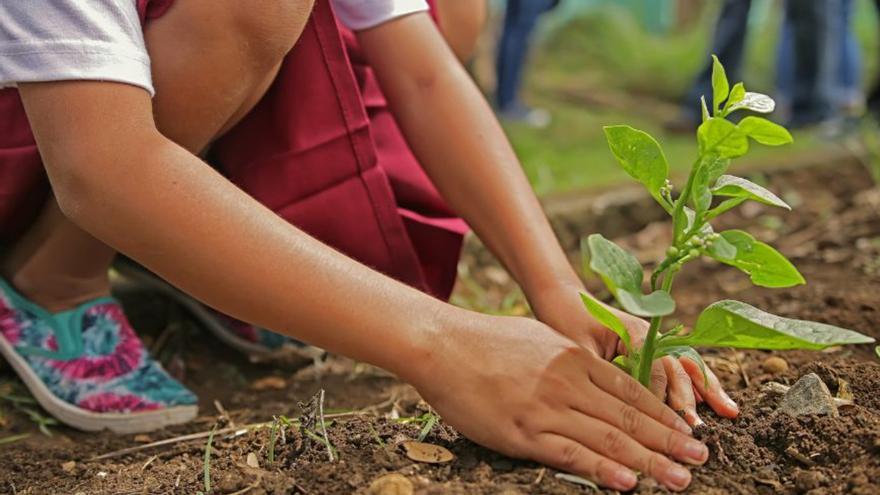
x,y
75,185
74,195
86,177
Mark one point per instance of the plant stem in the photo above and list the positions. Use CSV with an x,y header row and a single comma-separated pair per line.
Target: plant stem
x,y
723,207
680,203
647,355
646,358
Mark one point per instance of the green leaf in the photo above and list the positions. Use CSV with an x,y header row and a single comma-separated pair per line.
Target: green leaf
x,y
608,319
755,102
623,276
720,86
683,351
701,195
640,156
877,351
715,167
766,266
704,109
736,324
690,217
737,93
765,132
623,363
682,219
718,136
721,249
618,268
657,303
737,187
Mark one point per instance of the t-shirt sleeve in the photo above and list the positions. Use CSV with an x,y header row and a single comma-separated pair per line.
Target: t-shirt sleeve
x,y
364,14
54,40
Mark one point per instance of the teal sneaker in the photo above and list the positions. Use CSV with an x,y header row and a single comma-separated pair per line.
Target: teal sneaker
x,y
88,368
258,344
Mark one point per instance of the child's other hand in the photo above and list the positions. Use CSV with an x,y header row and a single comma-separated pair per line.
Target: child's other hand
x,y
517,386
677,381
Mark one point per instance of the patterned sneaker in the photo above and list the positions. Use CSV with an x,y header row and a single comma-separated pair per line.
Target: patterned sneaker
x,y
87,367
258,344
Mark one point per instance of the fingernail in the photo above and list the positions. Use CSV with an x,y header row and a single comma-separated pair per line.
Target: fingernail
x,y
678,477
696,451
693,418
730,403
682,426
624,479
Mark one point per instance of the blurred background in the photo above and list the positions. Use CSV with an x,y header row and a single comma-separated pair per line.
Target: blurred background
x,y
599,62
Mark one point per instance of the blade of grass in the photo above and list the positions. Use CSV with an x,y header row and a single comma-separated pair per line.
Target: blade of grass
x,y
376,436
13,438
235,432
208,460
318,438
324,425
273,433
429,425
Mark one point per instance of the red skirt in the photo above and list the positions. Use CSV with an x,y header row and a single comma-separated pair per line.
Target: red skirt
x,y
320,149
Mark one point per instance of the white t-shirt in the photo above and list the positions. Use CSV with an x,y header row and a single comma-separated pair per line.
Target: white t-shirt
x,y
53,40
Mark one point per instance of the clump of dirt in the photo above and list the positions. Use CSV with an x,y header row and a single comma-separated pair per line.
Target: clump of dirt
x,y
833,236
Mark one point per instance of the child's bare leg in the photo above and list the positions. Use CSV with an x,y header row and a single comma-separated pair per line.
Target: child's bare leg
x,y
212,61
56,264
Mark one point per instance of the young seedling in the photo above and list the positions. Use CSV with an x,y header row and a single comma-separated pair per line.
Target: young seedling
x,y
708,193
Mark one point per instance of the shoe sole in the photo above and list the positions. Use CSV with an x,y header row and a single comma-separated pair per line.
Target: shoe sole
x,y
82,419
291,356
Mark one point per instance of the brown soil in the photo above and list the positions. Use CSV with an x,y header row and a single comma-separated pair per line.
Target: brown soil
x,y
833,236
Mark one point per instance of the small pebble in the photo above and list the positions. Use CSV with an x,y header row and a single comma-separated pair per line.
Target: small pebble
x,y
427,452
808,396
252,460
775,365
391,484
142,438
69,467
269,383
808,480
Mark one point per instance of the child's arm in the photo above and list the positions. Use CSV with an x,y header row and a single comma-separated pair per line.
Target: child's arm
x,y
512,384
452,130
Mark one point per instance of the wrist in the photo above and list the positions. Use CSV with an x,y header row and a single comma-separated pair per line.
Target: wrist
x,y
430,334
543,298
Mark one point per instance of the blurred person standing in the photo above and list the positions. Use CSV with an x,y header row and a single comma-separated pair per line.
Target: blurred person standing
x,y
818,73
520,20
728,44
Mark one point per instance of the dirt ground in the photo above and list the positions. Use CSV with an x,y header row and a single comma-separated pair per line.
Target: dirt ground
x,y
833,236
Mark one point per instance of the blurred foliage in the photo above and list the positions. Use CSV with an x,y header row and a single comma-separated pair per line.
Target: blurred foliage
x,y
609,47
602,67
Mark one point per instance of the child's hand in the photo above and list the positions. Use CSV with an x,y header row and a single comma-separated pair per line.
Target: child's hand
x,y
517,386
673,380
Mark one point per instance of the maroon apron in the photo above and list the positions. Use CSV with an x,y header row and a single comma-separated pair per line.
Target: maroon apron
x,y
320,149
